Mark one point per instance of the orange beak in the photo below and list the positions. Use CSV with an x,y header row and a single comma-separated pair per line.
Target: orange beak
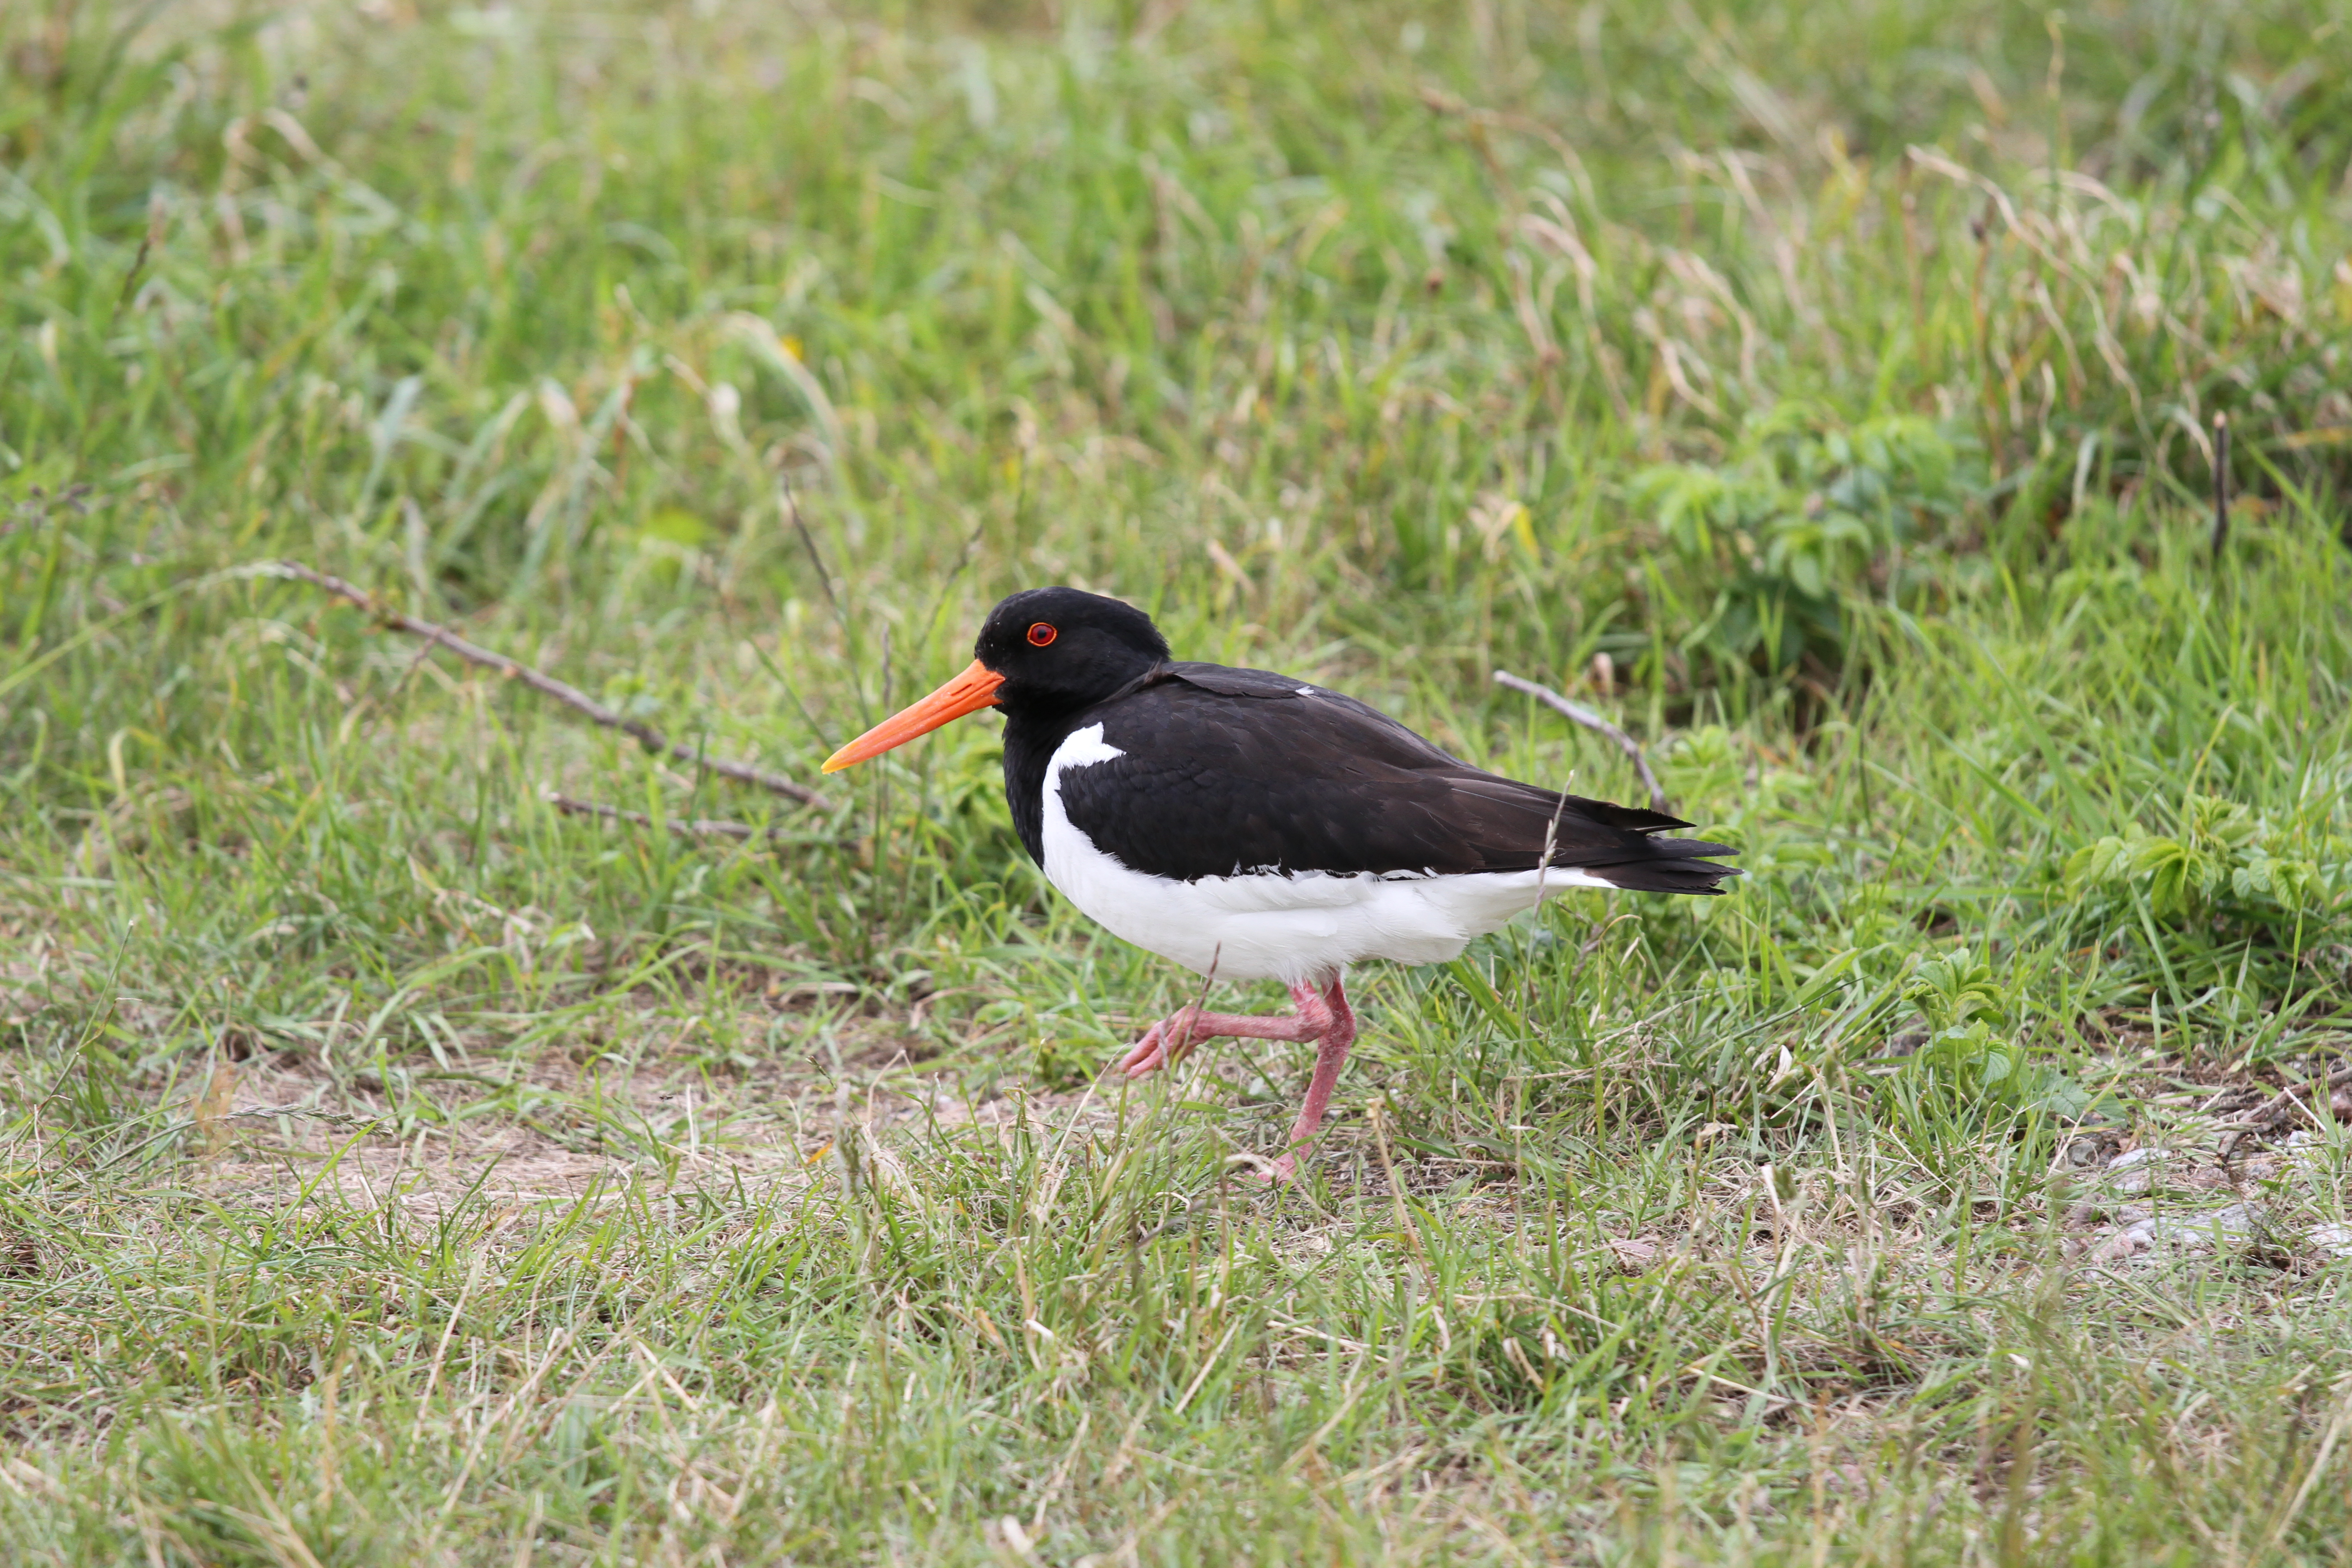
x,y
970,692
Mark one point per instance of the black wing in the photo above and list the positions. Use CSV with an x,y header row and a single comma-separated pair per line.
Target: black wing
x,y
1231,771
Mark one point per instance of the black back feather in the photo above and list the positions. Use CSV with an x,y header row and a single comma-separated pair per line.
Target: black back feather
x,y
1231,771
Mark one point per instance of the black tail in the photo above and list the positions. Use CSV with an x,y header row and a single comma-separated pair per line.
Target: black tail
x,y
1675,870
1664,876
1502,824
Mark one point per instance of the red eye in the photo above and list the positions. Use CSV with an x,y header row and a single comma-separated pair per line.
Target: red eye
x,y
1041,633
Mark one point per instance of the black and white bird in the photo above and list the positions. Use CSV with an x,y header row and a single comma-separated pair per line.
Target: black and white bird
x,y
1254,826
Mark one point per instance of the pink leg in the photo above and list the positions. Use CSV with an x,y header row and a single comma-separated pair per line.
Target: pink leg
x,y
1169,1039
1329,1059
1323,1016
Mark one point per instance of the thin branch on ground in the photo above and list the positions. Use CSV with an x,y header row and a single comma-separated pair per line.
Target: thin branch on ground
x,y
2290,1099
1595,722
694,827
2221,484
570,696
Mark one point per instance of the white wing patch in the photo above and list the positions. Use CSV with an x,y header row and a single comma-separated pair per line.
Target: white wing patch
x,y
1081,748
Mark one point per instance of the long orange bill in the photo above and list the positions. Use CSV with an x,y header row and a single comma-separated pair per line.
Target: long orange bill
x,y
970,692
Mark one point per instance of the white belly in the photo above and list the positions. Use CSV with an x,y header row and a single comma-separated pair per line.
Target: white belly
x,y
1298,926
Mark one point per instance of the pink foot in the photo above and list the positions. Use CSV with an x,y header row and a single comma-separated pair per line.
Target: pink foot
x,y
1323,1017
1151,1053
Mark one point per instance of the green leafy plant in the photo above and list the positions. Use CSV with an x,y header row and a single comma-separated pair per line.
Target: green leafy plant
x,y
1805,512
1970,1048
2222,861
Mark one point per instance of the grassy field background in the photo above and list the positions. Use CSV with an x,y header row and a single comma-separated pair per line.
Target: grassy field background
x,y
394,1167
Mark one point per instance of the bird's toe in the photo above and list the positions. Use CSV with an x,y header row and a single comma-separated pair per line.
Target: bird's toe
x,y
1149,1055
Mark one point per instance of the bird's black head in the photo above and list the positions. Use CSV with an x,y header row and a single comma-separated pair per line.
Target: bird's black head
x,y
1044,653
1060,649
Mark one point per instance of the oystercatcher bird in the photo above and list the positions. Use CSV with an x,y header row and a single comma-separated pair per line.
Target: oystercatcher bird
x,y
1254,826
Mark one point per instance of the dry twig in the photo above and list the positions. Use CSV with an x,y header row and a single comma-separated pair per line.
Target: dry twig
x,y
1595,722
570,696
2220,483
695,827
2277,1110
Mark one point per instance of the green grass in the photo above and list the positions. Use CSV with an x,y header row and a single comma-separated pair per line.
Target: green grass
x,y
393,1168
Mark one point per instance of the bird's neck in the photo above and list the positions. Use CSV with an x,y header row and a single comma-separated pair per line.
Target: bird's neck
x,y
1033,731
1030,741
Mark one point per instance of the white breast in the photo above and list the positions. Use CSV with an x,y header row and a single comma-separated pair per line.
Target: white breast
x,y
1298,926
